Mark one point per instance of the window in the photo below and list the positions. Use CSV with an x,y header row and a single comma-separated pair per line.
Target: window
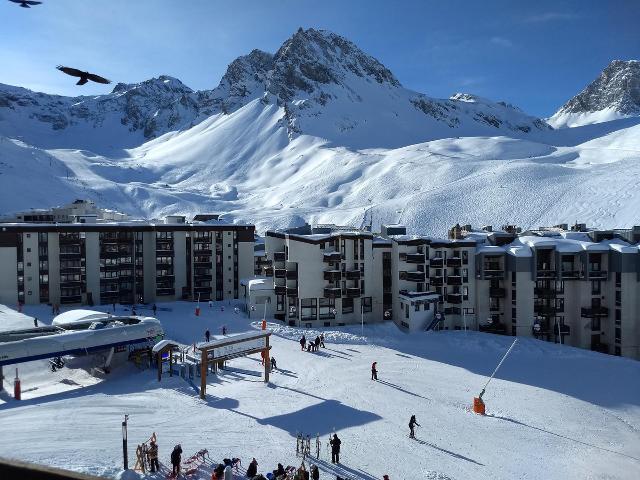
x,y
618,315
406,312
28,249
417,307
367,305
595,324
465,275
513,277
361,287
618,279
595,287
468,311
28,235
327,308
309,308
465,257
618,298
618,335
347,305
465,293
279,303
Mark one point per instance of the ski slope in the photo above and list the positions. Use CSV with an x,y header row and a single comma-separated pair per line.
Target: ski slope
x,y
553,412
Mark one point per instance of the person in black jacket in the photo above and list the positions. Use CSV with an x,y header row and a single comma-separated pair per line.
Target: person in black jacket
x,y
176,458
412,425
279,471
252,471
315,473
335,448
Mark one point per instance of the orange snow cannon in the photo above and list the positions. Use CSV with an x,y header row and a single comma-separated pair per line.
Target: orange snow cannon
x,y
478,406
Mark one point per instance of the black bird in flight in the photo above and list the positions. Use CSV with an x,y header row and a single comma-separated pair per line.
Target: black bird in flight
x,y
84,76
26,3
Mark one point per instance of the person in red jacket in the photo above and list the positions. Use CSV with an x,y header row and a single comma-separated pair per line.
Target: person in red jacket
x,y
374,371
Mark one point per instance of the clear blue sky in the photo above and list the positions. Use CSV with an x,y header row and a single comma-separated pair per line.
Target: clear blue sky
x,y
533,54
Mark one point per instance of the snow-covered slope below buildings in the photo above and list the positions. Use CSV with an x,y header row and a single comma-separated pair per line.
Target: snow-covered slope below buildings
x,y
614,94
317,132
553,412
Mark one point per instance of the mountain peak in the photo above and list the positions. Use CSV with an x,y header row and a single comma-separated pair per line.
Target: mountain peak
x,y
616,89
163,82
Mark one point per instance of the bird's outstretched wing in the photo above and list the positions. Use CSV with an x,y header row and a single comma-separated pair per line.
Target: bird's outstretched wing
x,y
32,2
74,72
97,78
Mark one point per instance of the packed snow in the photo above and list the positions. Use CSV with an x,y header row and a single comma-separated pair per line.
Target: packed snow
x,y
553,412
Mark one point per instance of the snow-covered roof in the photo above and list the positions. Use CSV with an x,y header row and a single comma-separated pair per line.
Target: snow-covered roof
x,y
258,283
163,343
78,316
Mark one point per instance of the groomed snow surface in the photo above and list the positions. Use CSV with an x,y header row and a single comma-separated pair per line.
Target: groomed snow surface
x,y
553,412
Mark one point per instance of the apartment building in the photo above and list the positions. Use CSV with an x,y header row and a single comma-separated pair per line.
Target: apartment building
x,y
577,287
91,262
76,211
323,279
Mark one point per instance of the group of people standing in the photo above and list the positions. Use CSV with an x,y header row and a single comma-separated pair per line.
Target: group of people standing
x,y
312,345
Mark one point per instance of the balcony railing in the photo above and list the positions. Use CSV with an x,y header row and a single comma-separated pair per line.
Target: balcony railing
x,y
493,274
412,276
280,273
332,257
436,262
595,274
280,289
331,292
497,292
544,292
292,274
545,310
279,256
570,274
593,312
545,273
352,274
436,282
454,298
353,292
204,277
333,275
415,258
454,262
454,280
292,292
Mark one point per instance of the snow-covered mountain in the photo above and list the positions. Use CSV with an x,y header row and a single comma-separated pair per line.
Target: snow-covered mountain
x,y
614,94
318,131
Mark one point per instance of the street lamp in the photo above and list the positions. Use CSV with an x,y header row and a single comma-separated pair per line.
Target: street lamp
x,y
124,442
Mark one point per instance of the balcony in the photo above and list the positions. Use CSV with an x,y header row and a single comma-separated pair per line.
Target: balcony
x,y
205,251
597,274
415,258
268,271
332,257
454,298
292,292
202,263
454,262
164,276
545,310
203,277
436,262
412,276
353,292
454,280
570,274
279,256
544,292
594,312
280,290
436,282
352,275
545,273
164,291
332,292
280,273
292,274
202,289
497,292
333,275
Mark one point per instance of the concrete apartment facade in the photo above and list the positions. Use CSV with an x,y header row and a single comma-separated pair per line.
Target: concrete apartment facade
x,y
321,280
123,262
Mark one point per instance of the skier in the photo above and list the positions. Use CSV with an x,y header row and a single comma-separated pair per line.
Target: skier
x,y
412,426
114,307
207,335
153,457
322,340
273,364
315,474
210,303
154,308
303,342
374,371
176,458
252,471
335,448
35,321
224,330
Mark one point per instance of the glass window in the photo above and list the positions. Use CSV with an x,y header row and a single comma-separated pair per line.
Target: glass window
x,y
347,305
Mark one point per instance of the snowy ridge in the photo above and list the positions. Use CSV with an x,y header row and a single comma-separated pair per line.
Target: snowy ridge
x,y
317,132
